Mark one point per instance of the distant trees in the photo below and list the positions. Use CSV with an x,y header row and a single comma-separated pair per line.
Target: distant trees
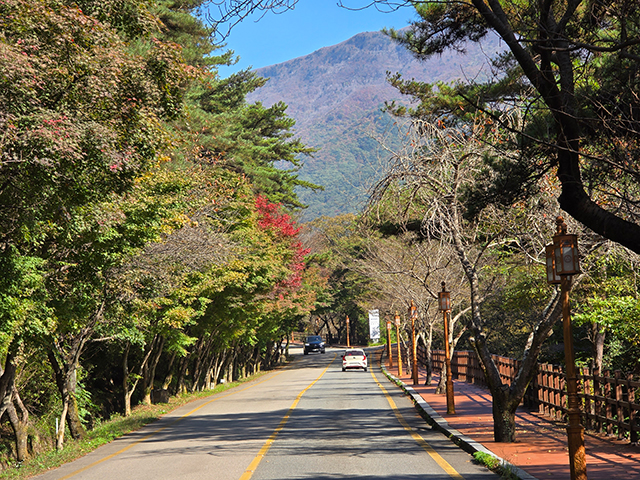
x,y
337,245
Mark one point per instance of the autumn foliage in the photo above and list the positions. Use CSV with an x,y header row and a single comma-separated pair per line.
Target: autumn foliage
x,y
284,227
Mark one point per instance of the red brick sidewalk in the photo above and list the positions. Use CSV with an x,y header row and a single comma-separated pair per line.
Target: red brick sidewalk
x,y
541,447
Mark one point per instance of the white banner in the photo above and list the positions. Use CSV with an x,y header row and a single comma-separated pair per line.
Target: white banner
x,y
374,324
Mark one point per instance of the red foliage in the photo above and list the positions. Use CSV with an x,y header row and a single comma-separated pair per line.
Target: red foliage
x,y
272,219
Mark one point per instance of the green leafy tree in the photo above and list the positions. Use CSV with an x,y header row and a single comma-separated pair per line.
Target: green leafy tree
x,y
121,145
81,109
82,283
607,307
219,126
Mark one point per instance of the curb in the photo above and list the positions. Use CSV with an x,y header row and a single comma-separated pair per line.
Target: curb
x,y
434,419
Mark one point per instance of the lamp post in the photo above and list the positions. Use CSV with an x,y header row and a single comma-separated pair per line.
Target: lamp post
x,y
562,264
413,313
348,342
397,320
389,353
444,305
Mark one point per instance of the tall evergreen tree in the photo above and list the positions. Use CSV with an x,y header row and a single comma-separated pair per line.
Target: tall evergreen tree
x,y
220,127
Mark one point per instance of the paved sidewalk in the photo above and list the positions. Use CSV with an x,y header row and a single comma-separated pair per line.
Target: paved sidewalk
x,y
541,448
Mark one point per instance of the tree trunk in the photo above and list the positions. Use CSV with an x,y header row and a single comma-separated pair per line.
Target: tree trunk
x,y
231,365
268,356
442,382
69,416
506,398
65,375
196,353
143,372
407,355
182,371
125,381
127,402
504,417
64,362
166,383
219,365
20,426
9,397
258,364
203,364
428,358
209,373
149,372
61,425
598,347
73,415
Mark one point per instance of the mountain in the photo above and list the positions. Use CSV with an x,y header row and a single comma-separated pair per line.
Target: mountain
x,y
335,94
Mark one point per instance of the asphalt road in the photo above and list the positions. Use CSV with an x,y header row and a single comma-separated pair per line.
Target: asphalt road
x,y
307,421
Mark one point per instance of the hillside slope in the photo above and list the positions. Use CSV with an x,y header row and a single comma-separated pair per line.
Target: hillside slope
x,y
335,95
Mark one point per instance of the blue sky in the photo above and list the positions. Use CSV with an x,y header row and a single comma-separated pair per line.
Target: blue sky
x,y
311,25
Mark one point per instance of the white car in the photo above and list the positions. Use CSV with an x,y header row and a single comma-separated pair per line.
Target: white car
x,y
354,358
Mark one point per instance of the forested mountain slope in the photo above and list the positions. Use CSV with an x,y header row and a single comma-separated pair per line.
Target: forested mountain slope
x,y
335,95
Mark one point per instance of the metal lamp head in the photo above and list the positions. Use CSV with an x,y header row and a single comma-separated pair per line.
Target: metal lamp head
x,y
388,324
444,299
397,319
567,260
413,310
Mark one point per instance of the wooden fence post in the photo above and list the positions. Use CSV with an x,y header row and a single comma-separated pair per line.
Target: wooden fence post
x,y
607,399
586,383
619,410
631,397
561,397
597,387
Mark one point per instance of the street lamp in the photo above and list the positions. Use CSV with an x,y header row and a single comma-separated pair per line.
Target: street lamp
x,y
444,305
348,343
397,320
413,313
563,258
389,353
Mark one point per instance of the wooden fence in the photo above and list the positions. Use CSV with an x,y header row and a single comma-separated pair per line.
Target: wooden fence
x,y
610,401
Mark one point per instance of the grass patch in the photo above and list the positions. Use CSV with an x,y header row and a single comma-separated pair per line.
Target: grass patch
x,y
493,464
108,431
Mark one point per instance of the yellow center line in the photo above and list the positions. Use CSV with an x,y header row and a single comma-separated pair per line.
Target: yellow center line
x,y
155,432
248,473
418,439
